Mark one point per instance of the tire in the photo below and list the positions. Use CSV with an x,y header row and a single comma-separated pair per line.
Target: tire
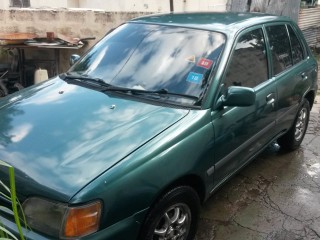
x,y
174,217
293,138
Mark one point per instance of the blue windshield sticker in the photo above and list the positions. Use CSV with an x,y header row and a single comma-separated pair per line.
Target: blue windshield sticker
x,y
195,77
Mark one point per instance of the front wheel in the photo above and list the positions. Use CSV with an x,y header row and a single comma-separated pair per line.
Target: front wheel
x,y
174,216
293,138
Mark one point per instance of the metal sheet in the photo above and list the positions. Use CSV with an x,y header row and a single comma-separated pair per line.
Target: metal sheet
x,y
288,8
309,23
309,17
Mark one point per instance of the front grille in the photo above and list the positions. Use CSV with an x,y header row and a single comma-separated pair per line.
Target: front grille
x,y
6,208
4,202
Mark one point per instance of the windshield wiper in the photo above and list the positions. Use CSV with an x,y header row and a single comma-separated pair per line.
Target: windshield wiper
x,y
110,88
162,92
103,86
95,81
158,93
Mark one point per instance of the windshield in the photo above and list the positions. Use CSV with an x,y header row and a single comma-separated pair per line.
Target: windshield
x,y
153,57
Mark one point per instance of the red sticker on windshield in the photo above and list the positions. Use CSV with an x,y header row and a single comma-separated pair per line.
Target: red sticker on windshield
x,y
205,63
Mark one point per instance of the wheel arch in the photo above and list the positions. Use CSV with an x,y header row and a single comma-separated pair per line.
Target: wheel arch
x,y
310,96
191,180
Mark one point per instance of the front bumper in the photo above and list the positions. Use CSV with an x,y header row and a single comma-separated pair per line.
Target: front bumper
x,y
123,230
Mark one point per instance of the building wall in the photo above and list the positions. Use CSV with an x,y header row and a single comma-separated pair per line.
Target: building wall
x,y
129,5
155,5
50,4
73,3
4,4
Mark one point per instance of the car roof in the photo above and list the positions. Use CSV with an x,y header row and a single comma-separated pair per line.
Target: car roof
x,y
212,21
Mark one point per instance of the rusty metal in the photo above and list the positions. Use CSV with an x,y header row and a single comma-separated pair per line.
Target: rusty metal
x,y
17,36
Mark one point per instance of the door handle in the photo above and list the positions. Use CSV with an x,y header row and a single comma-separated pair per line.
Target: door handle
x,y
271,98
304,76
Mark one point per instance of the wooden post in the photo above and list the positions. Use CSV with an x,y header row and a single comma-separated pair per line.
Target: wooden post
x,y
171,6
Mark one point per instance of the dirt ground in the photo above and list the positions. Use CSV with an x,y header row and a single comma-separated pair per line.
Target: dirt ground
x,y
276,197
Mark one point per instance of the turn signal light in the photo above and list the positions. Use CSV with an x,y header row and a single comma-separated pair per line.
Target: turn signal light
x,y
83,220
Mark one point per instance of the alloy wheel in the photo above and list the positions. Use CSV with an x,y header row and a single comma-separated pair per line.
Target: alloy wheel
x,y
174,224
300,124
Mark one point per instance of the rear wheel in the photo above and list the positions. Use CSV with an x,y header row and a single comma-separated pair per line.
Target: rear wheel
x,y
293,138
174,216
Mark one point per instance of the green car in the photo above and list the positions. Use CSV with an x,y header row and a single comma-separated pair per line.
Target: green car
x,y
152,121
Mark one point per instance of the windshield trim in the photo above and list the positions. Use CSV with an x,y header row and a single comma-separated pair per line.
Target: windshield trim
x,y
101,86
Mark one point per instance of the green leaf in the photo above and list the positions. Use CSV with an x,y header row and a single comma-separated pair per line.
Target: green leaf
x,y
9,233
4,186
5,164
6,210
14,202
5,196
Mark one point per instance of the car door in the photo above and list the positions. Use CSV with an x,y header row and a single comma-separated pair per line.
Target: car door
x,y
292,69
240,132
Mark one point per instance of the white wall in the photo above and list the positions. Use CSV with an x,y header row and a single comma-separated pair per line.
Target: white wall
x,y
154,5
73,3
46,3
129,5
4,4
200,5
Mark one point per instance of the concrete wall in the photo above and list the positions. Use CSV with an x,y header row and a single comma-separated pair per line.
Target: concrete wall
x,y
129,5
155,5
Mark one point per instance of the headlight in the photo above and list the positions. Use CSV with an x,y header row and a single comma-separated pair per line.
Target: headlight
x,y
60,220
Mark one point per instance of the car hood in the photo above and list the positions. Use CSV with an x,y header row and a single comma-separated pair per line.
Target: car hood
x,y
59,136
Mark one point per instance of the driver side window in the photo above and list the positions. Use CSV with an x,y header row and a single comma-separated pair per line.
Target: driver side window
x,y
248,66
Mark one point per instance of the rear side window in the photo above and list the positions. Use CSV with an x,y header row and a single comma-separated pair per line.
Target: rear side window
x,y
248,66
297,50
280,48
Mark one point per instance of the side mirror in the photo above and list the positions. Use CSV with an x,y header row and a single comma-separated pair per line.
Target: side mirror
x,y
237,97
73,59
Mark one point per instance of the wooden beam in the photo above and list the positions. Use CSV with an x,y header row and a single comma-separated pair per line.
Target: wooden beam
x,y
171,6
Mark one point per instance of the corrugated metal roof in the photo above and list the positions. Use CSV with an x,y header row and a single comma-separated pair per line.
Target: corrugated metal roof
x,y
309,23
309,17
